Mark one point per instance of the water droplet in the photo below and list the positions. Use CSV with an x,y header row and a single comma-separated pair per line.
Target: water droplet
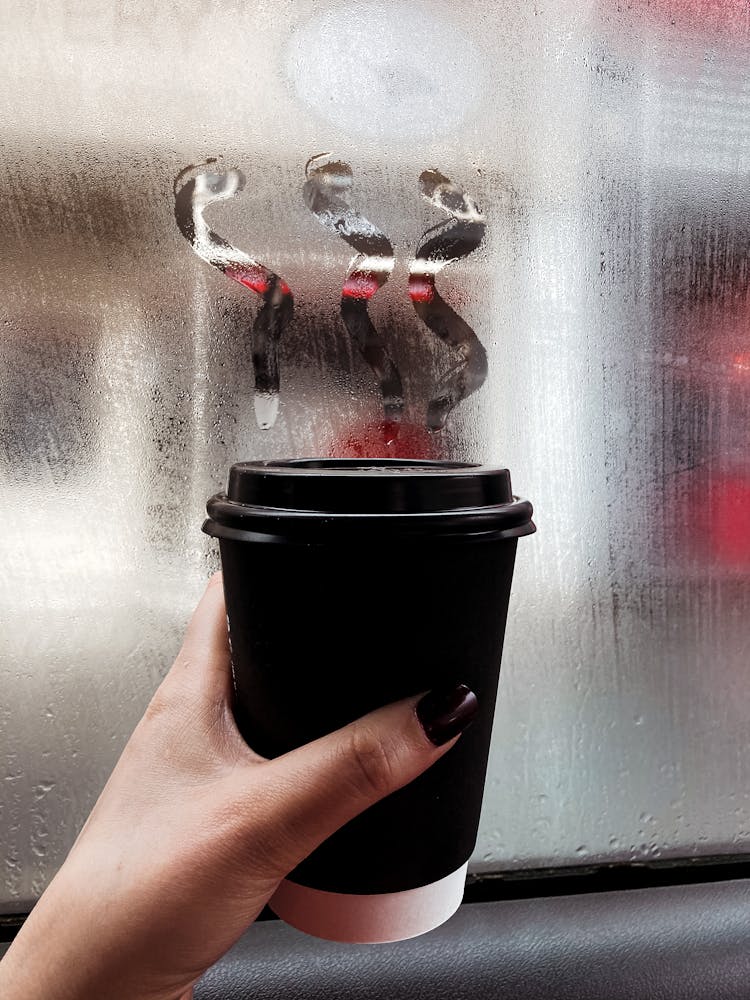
x,y
266,409
42,788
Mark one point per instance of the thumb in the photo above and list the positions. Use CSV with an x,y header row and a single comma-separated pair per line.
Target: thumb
x,y
321,786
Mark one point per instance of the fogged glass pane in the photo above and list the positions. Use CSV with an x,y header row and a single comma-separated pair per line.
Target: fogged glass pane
x,y
507,233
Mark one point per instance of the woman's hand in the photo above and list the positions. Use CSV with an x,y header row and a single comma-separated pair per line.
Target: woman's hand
x,y
193,831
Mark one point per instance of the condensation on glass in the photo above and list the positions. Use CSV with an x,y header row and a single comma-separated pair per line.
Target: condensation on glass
x,y
506,233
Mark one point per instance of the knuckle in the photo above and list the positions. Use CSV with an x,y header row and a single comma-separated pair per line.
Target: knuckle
x,y
371,763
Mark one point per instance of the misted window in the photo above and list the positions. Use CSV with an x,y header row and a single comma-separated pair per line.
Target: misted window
x,y
515,234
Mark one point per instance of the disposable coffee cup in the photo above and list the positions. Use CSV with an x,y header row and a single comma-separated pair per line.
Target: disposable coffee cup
x,y
350,584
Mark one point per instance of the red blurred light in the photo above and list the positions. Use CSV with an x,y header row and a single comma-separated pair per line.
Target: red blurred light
x,y
730,507
711,516
251,277
742,362
385,439
360,285
421,288
705,15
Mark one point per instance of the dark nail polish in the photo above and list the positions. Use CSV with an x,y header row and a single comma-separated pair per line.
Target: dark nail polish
x,y
445,712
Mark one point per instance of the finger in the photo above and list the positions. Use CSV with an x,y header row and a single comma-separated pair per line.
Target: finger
x,y
320,787
204,659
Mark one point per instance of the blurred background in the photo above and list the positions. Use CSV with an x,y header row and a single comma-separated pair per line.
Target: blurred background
x,y
606,146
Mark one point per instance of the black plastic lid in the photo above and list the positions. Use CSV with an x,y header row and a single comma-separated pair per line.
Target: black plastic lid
x,y
380,486
413,494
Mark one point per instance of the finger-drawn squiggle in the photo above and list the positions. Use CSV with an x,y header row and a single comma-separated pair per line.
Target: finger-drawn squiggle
x,y
326,193
192,196
439,246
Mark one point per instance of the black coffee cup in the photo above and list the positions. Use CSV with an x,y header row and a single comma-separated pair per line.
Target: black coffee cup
x,y
349,584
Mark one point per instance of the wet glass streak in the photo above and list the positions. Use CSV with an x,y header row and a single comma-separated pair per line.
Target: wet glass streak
x,y
192,196
439,246
326,193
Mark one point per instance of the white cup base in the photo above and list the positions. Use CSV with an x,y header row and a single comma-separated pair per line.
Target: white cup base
x,y
369,919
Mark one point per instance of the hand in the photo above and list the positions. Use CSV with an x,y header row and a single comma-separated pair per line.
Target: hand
x,y
194,831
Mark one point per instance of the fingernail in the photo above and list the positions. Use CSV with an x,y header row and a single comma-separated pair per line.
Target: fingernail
x,y
445,712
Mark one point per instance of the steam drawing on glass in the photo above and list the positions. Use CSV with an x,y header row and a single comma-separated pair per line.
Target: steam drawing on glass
x,y
439,246
326,192
192,196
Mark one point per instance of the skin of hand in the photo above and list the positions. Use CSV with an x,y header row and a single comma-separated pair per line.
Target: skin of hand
x,y
194,831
